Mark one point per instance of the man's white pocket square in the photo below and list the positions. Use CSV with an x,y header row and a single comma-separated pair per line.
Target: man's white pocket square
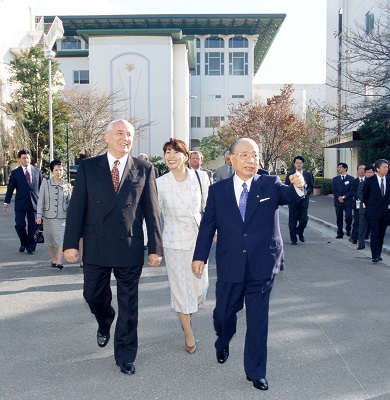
x,y
267,198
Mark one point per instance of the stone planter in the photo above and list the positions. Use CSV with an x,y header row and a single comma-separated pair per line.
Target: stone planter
x,y
317,191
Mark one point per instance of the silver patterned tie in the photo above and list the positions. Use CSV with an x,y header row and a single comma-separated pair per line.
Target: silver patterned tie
x,y
243,201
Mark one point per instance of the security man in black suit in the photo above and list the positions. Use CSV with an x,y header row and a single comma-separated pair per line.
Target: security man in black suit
x,y
298,212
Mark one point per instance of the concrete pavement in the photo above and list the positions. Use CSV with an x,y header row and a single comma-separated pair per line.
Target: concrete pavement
x,y
329,330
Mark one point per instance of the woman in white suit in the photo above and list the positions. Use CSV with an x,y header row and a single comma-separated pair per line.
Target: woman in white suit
x,y
182,195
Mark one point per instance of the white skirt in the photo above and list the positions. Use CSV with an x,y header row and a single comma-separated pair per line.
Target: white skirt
x,y
188,291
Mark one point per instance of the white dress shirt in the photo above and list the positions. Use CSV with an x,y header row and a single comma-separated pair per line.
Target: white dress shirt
x,y
121,165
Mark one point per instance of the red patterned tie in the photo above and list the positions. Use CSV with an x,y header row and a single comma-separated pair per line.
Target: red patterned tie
x,y
28,177
115,175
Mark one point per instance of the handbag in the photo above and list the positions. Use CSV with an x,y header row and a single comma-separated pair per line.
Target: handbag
x,y
38,237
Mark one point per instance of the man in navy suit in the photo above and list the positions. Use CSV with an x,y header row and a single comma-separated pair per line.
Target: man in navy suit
x,y
376,197
342,199
243,209
298,212
27,180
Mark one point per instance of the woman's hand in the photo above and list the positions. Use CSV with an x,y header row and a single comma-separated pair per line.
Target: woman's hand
x,y
38,221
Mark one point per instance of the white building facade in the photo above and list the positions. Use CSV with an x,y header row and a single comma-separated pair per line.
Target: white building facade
x,y
176,74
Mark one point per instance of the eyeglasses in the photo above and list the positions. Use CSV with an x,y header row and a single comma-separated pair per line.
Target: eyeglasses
x,y
246,155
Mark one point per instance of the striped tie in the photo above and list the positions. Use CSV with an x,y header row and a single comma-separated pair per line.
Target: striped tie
x,y
243,201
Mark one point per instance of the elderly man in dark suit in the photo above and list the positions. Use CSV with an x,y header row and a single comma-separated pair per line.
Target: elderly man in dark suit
x,y
376,197
298,213
342,199
27,180
113,193
243,210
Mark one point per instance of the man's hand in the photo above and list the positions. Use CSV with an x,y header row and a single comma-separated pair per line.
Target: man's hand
x,y
5,207
197,267
341,199
154,260
297,180
71,255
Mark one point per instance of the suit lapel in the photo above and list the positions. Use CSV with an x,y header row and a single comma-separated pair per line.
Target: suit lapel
x,y
254,197
231,198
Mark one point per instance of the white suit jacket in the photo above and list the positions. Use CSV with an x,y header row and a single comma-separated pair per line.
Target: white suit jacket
x,y
181,223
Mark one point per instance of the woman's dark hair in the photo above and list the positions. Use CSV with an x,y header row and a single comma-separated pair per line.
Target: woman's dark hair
x,y
54,163
177,145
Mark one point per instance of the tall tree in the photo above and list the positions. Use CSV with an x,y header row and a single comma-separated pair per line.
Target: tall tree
x,y
274,126
30,98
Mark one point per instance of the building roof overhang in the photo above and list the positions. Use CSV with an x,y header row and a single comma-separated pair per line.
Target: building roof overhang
x,y
265,26
346,140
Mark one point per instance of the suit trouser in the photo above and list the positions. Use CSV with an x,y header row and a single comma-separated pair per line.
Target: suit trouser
x,y
377,234
298,213
97,293
26,236
339,218
355,224
362,232
229,300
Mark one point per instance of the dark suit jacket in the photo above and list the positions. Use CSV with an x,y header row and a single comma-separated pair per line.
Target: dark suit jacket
x,y
342,188
256,240
376,205
25,194
262,171
308,177
111,222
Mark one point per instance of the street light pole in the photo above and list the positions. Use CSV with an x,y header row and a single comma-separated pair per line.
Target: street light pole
x,y
49,55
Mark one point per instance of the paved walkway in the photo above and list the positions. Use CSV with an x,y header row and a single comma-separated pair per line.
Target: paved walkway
x,y
328,339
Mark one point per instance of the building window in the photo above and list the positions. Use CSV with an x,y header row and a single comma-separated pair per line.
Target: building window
x,y
369,21
214,42
195,122
238,96
196,71
70,43
214,63
214,96
197,42
213,122
238,63
81,77
238,42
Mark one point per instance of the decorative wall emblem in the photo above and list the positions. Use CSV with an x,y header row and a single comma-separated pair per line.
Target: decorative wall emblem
x,y
130,67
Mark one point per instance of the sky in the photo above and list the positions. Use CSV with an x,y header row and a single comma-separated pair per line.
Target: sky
x,y
297,54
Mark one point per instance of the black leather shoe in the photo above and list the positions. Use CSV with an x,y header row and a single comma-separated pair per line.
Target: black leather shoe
x,y
102,338
375,260
339,236
301,238
348,233
31,252
361,247
260,384
380,258
127,368
294,243
353,241
21,249
222,355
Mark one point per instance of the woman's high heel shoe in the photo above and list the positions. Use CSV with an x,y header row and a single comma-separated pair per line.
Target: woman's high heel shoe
x,y
59,266
189,349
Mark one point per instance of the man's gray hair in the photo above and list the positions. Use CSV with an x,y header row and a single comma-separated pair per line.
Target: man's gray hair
x,y
143,156
129,126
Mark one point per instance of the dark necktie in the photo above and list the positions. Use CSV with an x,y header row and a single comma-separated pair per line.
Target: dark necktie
x,y
115,175
28,177
382,188
243,201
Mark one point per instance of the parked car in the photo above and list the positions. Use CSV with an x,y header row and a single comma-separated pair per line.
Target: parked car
x,y
73,171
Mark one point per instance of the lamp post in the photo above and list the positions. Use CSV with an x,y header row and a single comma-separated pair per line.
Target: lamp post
x,y
49,55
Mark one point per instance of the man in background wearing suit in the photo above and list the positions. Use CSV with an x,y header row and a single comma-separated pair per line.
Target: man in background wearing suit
x,y
376,197
27,180
262,171
298,212
361,172
112,194
243,210
196,161
226,170
342,199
